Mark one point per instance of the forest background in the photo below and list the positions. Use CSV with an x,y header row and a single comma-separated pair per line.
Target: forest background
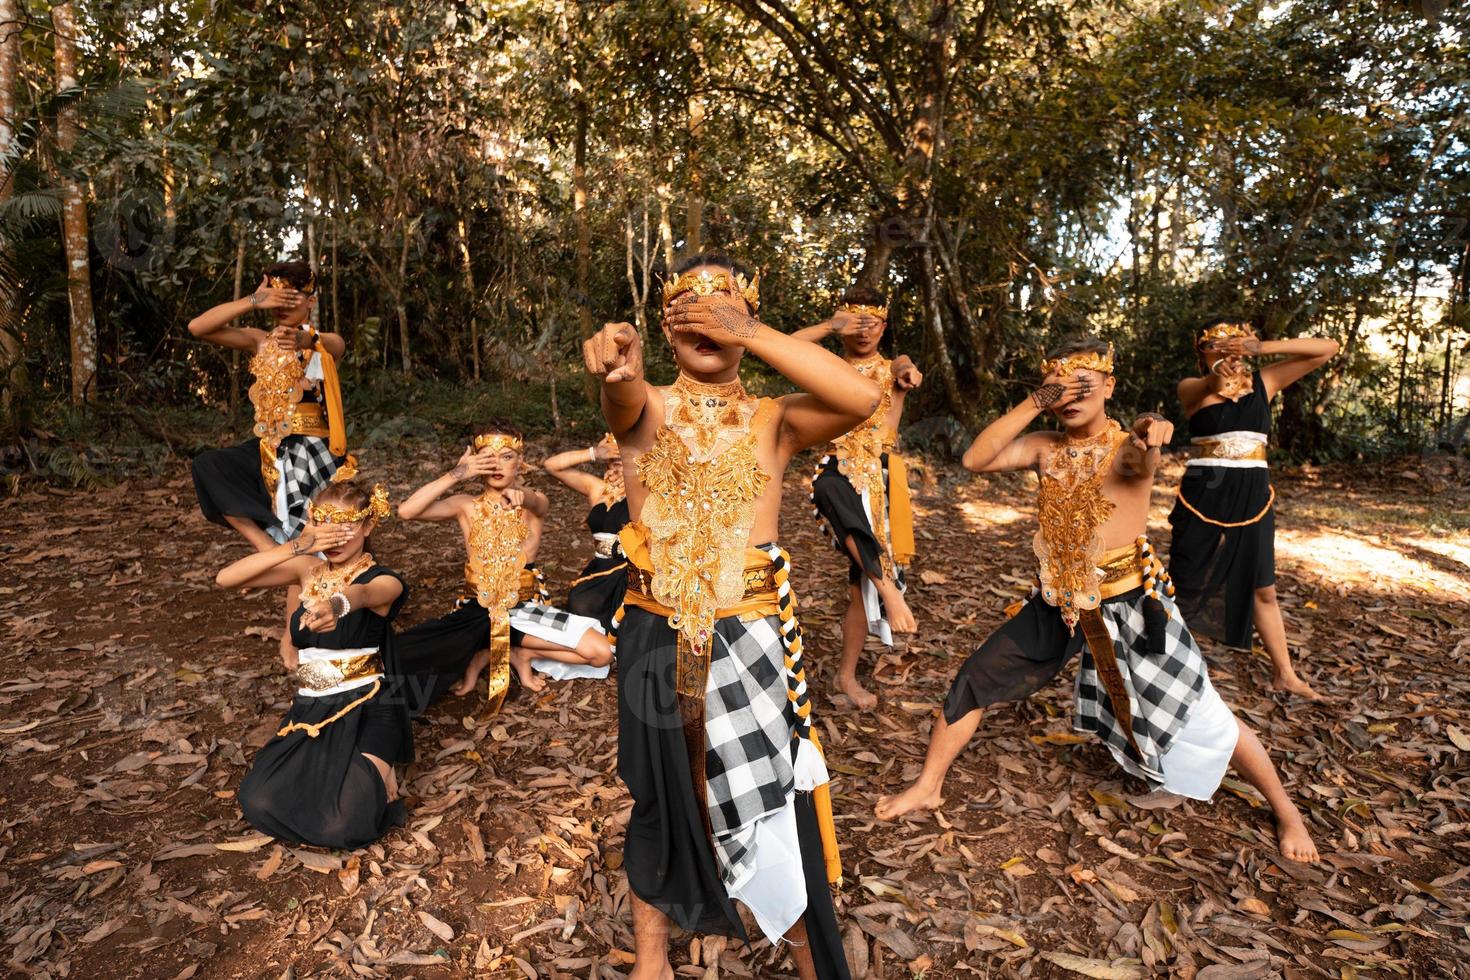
x,y
481,184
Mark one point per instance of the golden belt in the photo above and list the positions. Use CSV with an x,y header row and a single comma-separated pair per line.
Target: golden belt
x,y
759,600
323,675
1207,448
309,419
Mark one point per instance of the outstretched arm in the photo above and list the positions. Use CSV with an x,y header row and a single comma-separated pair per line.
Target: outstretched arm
x,y
1139,456
424,503
1303,356
1003,446
285,564
615,355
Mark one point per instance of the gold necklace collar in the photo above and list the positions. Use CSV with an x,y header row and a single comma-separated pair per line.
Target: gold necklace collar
x,y
731,390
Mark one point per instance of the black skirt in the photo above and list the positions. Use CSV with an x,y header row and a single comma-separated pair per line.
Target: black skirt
x,y
228,484
667,850
321,790
1017,660
434,654
1216,570
598,591
841,506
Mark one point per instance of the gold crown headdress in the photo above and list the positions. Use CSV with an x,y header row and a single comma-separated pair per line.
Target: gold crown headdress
x,y
334,513
709,283
1222,330
499,442
863,309
1069,364
281,282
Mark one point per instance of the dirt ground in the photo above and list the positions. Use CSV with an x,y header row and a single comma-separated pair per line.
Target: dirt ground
x,y
134,694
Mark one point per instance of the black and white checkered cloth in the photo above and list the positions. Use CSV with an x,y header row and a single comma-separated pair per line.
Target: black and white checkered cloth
x,y
534,614
308,464
1163,688
748,726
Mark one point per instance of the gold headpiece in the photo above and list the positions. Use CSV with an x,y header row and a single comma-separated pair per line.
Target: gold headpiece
x,y
1222,330
332,513
498,442
708,283
281,282
861,309
1069,364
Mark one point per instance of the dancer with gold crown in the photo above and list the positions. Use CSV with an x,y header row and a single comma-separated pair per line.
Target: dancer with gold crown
x,y
1142,687
327,776
261,486
1223,553
861,489
715,738
505,623
598,591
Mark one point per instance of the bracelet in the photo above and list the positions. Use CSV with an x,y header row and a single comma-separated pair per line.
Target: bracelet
x,y
295,544
254,300
337,597
591,454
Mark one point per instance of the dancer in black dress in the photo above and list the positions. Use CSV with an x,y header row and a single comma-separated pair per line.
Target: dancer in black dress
x,y
1223,555
504,622
327,776
261,487
598,591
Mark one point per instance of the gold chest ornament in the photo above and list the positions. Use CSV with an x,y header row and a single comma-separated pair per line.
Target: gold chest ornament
x,y
326,581
280,383
496,537
703,481
1071,510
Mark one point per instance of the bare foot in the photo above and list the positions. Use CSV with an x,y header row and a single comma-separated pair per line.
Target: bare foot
x,y
521,661
900,617
916,797
1293,840
661,971
466,683
861,696
1292,684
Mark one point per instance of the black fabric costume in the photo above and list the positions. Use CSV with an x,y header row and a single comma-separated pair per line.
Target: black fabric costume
x,y
668,853
321,790
228,481
841,506
1215,569
598,591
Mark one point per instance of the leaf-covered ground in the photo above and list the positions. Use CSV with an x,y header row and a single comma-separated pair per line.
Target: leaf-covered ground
x,y
134,694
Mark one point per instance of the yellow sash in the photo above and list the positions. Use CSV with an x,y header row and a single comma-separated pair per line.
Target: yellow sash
x,y
900,511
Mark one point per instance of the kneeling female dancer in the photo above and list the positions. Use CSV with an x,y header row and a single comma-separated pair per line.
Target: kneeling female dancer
x,y
327,777
598,591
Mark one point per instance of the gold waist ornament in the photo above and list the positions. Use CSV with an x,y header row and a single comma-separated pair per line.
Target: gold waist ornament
x,y
322,675
1228,448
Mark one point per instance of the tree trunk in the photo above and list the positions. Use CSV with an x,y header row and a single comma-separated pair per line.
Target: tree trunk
x,y
462,229
579,211
897,227
239,287
398,298
665,231
11,394
74,216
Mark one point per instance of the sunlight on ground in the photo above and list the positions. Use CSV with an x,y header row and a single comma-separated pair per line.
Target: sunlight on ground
x,y
980,515
1347,559
1454,550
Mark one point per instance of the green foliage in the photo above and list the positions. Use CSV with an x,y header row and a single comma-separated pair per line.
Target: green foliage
x,y
1121,166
